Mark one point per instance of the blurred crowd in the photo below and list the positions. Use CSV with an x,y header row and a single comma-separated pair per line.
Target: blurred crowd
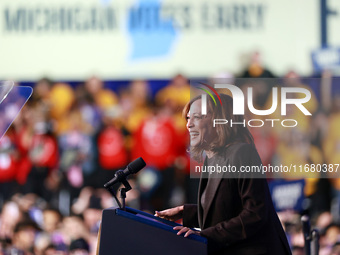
x,y
69,140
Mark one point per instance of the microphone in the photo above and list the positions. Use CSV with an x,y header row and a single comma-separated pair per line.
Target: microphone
x,y
306,233
315,246
121,175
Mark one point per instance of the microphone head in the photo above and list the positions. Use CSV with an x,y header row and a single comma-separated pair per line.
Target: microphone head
x,y
305,226
136,165
305,218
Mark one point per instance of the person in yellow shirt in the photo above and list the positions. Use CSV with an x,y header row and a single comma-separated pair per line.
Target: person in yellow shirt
x,y
173,98
104,98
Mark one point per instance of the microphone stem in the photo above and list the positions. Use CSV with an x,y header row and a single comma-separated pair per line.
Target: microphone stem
x,y
110,189
123,196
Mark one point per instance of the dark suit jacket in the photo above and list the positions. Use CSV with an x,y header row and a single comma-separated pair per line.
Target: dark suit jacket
x,y
238,216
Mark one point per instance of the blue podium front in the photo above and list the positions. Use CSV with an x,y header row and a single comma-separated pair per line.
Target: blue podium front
x,y
133,232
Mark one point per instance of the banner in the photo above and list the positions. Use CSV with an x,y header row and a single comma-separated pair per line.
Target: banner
x,y
119,39
287,195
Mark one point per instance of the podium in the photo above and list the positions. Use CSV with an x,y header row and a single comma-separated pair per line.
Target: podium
x,y
133,232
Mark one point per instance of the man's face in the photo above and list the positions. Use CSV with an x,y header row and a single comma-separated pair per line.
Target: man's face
x,y
51,221
24,239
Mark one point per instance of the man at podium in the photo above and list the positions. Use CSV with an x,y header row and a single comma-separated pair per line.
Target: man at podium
x,y
234,211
